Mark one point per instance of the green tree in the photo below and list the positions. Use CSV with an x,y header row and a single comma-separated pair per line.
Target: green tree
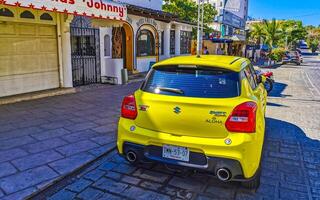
x,y
256,33
273,33
284,33
188,10
293,31
314,44
313,38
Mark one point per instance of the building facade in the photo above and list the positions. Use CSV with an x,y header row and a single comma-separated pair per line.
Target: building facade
x,y
152,36
61,44
232,16
229,26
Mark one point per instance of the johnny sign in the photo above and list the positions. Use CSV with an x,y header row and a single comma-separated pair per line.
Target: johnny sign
x,y
91,8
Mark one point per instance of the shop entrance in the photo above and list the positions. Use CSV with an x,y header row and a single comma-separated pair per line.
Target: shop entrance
x,y
85,52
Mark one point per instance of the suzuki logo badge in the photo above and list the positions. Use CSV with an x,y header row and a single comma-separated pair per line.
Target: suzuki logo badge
x,y
177,110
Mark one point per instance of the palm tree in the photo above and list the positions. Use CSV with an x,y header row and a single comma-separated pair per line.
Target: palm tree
x,y
257,33
273,33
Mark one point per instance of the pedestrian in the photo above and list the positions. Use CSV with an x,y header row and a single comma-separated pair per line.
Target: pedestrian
x,y
205,51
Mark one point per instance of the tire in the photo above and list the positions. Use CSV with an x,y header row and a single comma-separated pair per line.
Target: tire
x,y
268,85
254,183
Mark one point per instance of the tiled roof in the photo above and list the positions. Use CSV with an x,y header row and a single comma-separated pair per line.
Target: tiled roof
x,y
155,14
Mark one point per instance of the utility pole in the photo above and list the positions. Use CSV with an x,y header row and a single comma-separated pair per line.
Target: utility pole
x,y
198,31
201,35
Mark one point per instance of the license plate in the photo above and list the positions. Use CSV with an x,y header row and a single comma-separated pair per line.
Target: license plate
x,y
176,153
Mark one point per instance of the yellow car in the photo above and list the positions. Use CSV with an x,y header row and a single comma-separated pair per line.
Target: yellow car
x,y
204,113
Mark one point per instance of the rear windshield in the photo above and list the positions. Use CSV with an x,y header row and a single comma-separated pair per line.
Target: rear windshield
x,y
193,81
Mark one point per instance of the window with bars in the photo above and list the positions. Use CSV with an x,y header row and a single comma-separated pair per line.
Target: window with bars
x,y
185,42
162,43
145,43
172,42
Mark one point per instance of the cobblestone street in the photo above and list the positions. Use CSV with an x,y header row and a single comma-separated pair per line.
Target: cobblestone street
x,y
159,100
290,167
43,140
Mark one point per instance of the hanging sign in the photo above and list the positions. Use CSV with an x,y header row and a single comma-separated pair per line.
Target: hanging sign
x,y
90,8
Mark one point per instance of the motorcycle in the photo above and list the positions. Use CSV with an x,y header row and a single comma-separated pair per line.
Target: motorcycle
x,y
268,85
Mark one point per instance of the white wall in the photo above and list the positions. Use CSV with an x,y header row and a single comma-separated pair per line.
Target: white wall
x,y
110,68
144,63
153,4
113,69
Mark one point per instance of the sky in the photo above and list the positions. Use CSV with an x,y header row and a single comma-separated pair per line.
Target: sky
x,y
308,11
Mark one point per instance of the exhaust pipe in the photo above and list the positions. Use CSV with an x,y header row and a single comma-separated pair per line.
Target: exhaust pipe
x,y
223,174
131,156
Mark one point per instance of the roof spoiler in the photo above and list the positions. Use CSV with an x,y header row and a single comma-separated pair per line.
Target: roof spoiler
x,y
235,60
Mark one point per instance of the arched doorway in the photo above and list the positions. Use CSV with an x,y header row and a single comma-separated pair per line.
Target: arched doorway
x,y
128,47
122,45
147,41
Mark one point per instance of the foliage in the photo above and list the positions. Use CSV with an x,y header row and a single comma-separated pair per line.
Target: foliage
x,y
256,34
313,38
293,31
272,31
284,33
314,44
277,54
188,10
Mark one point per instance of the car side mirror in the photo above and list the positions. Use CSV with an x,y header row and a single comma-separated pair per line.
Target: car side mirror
x,y
261,79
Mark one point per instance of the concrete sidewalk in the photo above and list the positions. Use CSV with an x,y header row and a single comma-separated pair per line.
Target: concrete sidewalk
x,y
43,140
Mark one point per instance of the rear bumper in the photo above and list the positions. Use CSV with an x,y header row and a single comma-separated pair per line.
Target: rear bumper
x,y
197,160
245,149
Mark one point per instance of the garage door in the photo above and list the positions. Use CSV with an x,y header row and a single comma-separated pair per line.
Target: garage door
x,y
28,58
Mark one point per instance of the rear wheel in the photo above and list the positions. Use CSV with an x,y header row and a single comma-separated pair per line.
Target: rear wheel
x,y
254,183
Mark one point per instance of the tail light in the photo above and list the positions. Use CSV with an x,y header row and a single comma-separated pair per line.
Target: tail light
x,y
243,118
129,107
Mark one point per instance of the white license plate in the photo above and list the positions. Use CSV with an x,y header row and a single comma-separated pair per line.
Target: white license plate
x,y
176,153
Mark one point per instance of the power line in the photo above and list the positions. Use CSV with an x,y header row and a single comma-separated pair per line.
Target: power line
x,y
307,15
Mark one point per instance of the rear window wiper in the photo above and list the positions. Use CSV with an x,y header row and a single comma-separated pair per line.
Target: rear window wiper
x,y
173,90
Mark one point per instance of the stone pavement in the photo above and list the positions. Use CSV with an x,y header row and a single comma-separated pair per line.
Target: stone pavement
x,y
290,166
43,140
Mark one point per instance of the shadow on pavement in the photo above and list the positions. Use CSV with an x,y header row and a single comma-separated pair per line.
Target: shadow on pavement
x,y
310,54
284,130
275,104
289,165
290,158
275,66
278,89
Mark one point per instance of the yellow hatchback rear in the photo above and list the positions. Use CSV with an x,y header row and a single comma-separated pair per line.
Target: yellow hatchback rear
x,y
203,113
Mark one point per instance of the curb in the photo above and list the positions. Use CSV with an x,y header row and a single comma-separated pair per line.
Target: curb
x,y
59,181
36,95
